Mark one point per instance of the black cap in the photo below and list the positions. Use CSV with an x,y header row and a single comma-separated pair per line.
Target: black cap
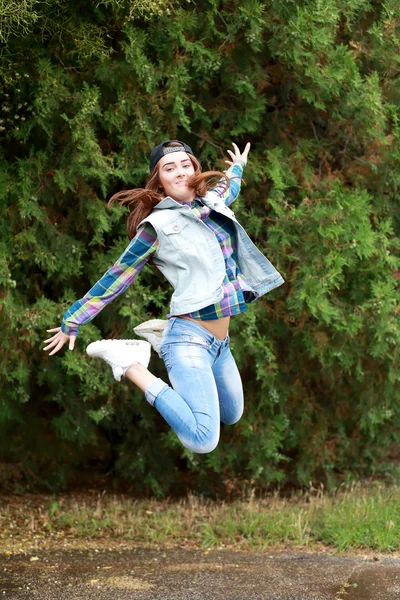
x,y
160,150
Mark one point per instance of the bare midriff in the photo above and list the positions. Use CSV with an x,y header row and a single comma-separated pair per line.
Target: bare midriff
x,y
218,327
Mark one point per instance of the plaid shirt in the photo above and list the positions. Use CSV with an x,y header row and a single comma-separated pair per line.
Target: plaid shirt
x,y
119,277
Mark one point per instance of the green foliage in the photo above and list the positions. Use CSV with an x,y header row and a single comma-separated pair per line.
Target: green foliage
x,y
87,88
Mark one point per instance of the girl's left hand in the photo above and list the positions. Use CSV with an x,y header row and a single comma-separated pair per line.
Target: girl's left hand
x,y
237,155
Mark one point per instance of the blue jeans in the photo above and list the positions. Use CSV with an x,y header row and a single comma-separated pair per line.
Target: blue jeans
x,y
206,385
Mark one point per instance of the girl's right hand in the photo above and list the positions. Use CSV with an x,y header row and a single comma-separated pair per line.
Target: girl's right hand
x,y
58,340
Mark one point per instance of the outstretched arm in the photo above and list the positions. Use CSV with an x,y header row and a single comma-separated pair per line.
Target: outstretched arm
x,y
239,160
237,155
113,283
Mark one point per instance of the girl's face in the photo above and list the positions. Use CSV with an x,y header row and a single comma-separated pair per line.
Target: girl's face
x,y
174,170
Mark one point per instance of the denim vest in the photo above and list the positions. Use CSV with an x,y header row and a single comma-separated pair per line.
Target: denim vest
x,y
190,257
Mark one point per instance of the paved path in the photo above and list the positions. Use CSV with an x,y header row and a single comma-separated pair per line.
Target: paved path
x,y
150,574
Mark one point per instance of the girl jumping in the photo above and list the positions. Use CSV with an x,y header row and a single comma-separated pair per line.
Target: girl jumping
x,y
183,223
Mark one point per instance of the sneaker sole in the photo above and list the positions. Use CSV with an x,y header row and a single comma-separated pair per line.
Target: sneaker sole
x,y
100,345
152,326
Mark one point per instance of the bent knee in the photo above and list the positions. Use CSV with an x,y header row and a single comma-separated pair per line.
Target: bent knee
x,y
233,417
203,445
206,448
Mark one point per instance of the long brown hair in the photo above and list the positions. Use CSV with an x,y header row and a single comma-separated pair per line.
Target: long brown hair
x,y
141,201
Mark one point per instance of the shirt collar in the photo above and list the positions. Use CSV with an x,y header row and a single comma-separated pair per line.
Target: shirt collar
x,y
169,202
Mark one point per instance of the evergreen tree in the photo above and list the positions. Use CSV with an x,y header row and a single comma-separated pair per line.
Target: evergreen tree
x,y
87,89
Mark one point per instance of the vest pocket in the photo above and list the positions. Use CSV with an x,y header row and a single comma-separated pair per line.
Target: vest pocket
x,y
177,237
175,227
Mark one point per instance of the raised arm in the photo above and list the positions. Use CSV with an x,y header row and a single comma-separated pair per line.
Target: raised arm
x,y
113,283
234,174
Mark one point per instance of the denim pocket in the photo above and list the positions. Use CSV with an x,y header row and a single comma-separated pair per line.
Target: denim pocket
x,y
189,339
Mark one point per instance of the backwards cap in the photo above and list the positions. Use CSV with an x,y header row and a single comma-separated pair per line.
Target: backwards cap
x,y
162,149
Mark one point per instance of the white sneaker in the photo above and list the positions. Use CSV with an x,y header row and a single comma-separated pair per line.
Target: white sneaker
x,y
121,354
152,332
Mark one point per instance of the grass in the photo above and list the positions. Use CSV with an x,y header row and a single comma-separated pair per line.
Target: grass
x,y
349,519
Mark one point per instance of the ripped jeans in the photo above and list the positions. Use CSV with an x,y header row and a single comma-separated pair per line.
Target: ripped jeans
x,y
206,385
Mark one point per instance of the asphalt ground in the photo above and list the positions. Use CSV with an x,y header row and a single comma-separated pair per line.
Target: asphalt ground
x,y
181,574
